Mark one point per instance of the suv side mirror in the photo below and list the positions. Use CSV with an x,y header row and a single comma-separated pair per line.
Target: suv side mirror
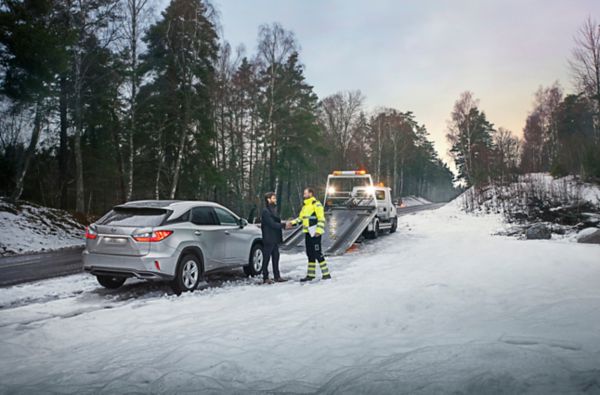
x,y
243,223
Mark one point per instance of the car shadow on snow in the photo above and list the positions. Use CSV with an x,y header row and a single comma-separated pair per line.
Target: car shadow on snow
x,y
140,289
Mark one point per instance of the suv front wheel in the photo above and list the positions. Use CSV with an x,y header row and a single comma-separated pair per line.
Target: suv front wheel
x,y
188,274
255,264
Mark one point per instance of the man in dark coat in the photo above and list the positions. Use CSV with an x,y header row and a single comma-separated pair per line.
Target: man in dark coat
x,y
272,235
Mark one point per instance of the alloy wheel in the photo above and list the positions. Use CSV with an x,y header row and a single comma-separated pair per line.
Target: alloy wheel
x,y
257,260
190,274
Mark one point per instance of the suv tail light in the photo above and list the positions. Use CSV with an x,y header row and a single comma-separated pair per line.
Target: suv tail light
x,y
150,237
90,233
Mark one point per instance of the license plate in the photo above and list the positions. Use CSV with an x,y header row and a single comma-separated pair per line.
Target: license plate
x,y
116,240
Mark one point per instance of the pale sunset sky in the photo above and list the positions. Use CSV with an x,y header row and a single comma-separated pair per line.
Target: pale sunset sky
x,y
420,55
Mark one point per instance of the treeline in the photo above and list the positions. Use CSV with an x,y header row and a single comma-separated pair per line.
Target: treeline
x,y
103,101
561,134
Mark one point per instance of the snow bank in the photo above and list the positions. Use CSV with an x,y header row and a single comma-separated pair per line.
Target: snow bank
x,y
409,201
566,204
27,227
441,306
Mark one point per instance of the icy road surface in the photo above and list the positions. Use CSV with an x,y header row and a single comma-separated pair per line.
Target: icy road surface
x,y
441,306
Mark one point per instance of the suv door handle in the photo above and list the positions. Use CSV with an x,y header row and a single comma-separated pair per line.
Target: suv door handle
x,y
226,232
198,233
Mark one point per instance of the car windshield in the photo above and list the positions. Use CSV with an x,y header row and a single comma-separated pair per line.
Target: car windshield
x,y
129,216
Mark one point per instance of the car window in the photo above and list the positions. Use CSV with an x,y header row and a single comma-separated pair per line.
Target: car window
x,y
380,195
225,217
203,216
185,217
129,216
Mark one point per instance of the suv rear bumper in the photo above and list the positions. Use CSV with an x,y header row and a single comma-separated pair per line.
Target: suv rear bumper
x,y
142,267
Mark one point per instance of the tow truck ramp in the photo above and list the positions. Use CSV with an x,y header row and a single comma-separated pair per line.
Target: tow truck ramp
x,y
343,226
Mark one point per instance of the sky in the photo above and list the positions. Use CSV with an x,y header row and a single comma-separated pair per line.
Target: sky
x,y
420,55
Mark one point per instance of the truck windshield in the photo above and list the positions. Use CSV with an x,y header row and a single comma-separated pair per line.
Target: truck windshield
x,y
348,192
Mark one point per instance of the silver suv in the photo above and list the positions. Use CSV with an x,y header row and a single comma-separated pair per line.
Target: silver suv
x,y
177,241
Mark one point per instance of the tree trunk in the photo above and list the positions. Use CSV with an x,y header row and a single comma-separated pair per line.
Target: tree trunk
x,y
63,150
35,135
181,147
79,192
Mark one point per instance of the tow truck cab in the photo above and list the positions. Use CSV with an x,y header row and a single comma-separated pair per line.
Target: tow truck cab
x,y
348,190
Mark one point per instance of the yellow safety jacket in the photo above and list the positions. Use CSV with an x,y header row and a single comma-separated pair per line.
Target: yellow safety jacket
x,y
312,217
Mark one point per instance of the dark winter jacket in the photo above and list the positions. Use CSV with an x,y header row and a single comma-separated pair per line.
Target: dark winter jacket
x,y
271,226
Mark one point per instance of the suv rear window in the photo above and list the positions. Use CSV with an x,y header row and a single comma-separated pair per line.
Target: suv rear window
x,y
128,216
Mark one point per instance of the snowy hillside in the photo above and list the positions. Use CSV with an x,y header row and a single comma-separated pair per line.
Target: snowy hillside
x,y
566,204
27,227
441,306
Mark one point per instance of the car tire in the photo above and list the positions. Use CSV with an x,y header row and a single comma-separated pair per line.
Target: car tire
x,y
111,282
255,262
188,274
394,227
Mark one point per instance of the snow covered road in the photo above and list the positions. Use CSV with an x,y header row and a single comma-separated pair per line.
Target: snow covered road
x,y
441,306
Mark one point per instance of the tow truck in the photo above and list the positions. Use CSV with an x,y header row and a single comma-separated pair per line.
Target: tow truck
x,y
355,208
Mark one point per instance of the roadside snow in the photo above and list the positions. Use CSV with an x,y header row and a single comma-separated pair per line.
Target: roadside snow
x,y
27,227
409,201
439,307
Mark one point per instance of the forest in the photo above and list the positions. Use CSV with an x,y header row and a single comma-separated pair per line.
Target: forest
x,y
103,101
107,101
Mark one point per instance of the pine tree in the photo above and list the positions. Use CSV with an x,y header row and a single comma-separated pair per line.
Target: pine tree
x,y
182,49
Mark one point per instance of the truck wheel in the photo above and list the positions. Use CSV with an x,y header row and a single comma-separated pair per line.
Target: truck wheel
x,y
111,282
255,263
187,275
373,234
394,225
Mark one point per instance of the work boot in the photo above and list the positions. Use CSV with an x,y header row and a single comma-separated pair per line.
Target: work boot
x,y
327,277
305,279
267,281
280,280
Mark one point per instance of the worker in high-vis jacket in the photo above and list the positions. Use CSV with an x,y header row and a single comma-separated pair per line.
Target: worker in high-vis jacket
x,y
312,219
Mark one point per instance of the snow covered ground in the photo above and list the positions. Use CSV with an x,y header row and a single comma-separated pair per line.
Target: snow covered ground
x,y
409,201
439,307
31,228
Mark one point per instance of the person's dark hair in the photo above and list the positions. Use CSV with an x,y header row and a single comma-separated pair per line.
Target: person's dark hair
x,y
311,191
268,196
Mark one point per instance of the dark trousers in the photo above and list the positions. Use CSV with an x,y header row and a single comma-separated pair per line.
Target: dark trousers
x,y
313,248
271,251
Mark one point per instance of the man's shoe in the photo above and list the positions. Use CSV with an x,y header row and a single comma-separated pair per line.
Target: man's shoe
x,y
327,277
280,280
267,281
305,279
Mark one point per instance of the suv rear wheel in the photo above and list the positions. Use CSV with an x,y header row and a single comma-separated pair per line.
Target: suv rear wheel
x,y
188,274
111,282
255,264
